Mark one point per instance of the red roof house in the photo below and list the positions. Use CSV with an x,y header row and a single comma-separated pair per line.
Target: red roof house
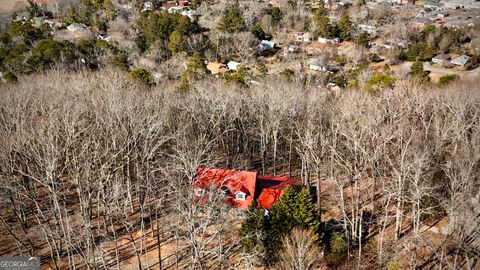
x,y
242,188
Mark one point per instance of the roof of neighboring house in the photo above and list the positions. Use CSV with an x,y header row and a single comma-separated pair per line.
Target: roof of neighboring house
x,y
442,57
233,65
267,44
431,4
216,68
461,60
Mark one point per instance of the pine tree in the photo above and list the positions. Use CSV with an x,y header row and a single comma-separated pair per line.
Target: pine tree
x,y
322,24
253,231
345,26
232,20
176,42
195,67
306,214
281,222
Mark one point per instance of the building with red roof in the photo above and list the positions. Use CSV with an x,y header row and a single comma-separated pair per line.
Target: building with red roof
x,y
241,188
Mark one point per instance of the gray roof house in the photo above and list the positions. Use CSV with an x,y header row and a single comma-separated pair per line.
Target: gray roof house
x,y
460,61
442,59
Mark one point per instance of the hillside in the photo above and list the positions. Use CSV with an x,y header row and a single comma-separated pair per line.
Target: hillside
x,y
96,170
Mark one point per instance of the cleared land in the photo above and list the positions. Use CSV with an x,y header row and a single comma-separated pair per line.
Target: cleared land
x,y
11,5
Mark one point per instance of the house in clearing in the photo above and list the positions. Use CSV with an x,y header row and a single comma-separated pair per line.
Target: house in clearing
x,y
303,37
241,188
217,68
460,61
442,59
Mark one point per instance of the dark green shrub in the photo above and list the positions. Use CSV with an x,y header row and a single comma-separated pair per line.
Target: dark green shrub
x,y
338,248
379,82
9,77
447,79
430,208
232,20
141,75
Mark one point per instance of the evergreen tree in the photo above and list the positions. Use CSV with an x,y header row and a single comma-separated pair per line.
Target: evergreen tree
x,y
258,32
253,229
293,209
281,221
183,85
141,75
276,14
322,24
363,39
72,16
417,70
345,26
196,68
321,10
305,213
232,20
176,42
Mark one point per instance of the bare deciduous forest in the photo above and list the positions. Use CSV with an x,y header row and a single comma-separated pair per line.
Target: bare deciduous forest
x,y
96,170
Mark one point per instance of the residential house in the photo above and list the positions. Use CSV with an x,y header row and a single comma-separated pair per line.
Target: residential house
x,y
217,68
442,14
293,48
266,45
431,4
370,29
104,38
442,59
232,65
460,61
241,188
303,37
274,2
317,65
176,9
331,41
192,14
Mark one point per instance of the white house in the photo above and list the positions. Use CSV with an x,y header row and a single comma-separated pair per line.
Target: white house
x,y
177,10
328,40
317,65
192,14
232,65
304,37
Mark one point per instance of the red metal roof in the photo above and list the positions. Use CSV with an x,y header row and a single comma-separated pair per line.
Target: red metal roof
x,y
271,189
229,180
263,188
